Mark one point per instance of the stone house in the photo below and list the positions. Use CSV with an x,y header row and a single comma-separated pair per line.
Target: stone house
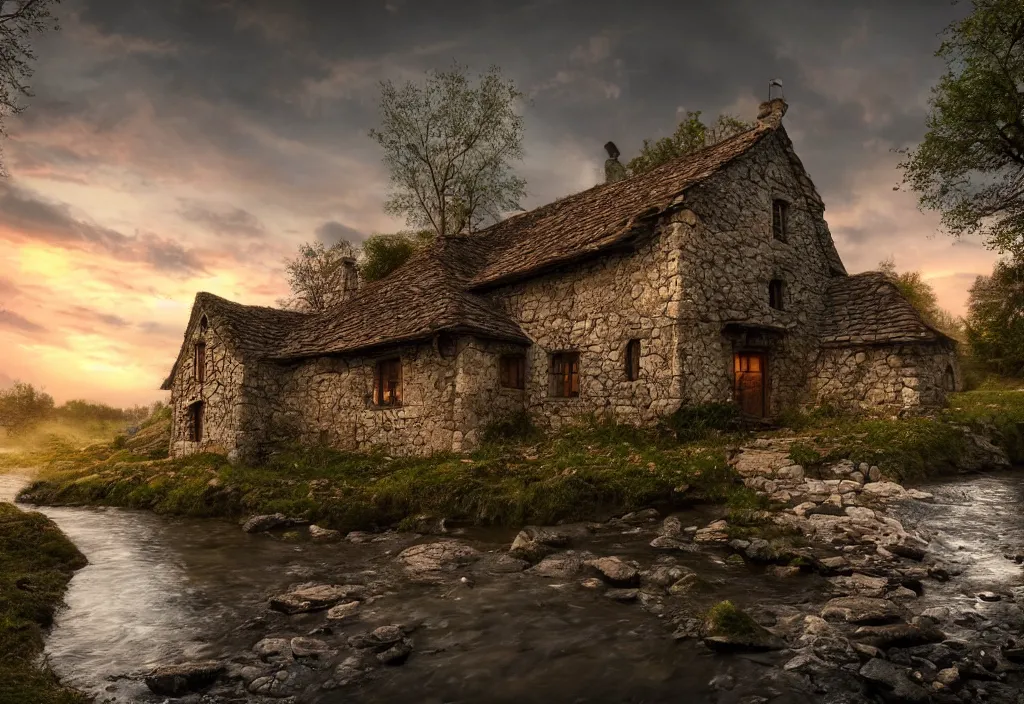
x,y
711,278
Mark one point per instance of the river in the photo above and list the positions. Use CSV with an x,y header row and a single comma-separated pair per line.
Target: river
x,y
159,590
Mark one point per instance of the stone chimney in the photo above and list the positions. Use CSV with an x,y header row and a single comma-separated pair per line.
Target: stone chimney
x,y
613,170
349,278
770,113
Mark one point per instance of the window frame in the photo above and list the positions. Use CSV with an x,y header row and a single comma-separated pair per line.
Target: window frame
x,y
512,371
196,421
564,381
780,220
199,362
777,294
379,395
632,354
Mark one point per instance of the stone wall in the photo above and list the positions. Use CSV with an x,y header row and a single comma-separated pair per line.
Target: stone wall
x,y
595,309
729,256
887,376
220,392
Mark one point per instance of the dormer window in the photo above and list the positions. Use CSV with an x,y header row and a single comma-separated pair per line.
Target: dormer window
x,y
776,294
780,216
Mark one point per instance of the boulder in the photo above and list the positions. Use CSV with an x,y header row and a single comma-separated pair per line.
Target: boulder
x,y
671,526
884,490
898,635
891,678
614,571
500,563
388,643
324,535
623,595
177,680
911,552
309,648
715,532
688,584
315,597
562,565
861,610
673,542
647,515
261,524
343,612
533,544
729,629
273,647
858,584
444,555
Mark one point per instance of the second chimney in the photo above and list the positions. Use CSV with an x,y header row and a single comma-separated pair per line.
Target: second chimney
x,y
613,170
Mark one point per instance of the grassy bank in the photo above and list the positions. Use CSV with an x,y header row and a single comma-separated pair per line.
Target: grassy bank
x,y
585,472
36,563
581,473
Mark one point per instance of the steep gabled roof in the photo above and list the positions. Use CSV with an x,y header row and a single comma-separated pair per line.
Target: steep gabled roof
x,y
425,296
250,330
868,309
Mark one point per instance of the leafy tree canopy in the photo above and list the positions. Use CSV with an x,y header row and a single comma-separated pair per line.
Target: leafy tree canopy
x,y
317,276
995,318
448,146
922,296
382,254
691,134
970,165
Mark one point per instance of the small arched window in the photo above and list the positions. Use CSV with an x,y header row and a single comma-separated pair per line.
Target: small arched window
x,y
777,294
633,360
203,324
195,413
780,217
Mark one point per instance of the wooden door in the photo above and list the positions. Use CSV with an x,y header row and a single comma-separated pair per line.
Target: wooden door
x,y
749,380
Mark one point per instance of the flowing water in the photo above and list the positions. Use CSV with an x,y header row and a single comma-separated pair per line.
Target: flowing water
x,y
160,590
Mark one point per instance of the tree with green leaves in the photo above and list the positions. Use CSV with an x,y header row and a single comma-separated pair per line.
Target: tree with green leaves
x,y
922,296
970,165
448,146
320,277
691,135
20,21
382,254
995,318
22,406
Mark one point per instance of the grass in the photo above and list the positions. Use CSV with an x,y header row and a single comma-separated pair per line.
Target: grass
x,y
594,470
36,563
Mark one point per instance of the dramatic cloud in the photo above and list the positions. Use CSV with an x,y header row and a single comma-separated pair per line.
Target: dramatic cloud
x,y
186,146
223,221
332,232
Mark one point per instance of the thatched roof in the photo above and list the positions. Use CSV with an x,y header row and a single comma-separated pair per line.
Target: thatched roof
x,y
868,309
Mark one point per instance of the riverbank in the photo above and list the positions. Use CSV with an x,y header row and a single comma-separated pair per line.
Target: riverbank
x,y
36,563
587,472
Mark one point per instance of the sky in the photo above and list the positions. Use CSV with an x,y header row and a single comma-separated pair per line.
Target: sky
x,y
192,145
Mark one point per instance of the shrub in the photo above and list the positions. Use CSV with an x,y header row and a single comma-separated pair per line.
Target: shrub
x,y
517,426
693,423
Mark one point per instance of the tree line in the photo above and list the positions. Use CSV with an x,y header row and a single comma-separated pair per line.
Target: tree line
x,y
23,407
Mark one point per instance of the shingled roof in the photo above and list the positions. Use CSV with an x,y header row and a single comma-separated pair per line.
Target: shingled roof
x,y
436,290
868,309
251,330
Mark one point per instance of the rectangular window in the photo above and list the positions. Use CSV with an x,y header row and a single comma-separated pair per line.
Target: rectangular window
x,y
195,413
776,294
387,383
780,213
633,360
200,362
512,371
565,374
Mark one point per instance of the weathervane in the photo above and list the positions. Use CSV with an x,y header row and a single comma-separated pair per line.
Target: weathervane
x,y
772,83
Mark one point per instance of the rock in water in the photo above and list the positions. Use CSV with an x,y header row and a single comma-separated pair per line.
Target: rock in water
x,y
261,524
444,555
324,535
890,677
861,610
343,612
534,544
898,635
562,565
315,597
615,571
176,680
728,629
309,648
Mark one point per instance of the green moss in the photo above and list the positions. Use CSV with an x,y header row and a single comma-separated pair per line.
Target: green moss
x,y
36,563
725,620
804,454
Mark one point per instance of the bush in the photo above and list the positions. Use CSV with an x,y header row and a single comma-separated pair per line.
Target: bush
x,y
22,406
514,427
383,254
694,423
